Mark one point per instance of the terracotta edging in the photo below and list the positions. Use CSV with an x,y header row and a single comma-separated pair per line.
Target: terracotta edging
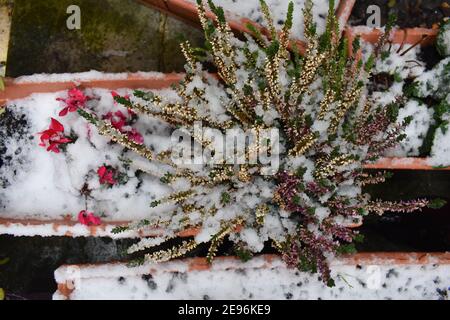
x,y
187,12
67,276
404,164
408,36
15,89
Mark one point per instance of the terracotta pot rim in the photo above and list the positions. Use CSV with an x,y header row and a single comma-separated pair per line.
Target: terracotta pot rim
x,y
408,163
187,11
411,36
15,89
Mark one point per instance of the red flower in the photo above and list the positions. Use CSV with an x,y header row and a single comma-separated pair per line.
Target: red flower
x,y
120,122
88,218
53,137
117,119
76,100
135,136
106,176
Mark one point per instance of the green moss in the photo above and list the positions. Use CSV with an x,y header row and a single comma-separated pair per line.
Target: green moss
x,y
115,36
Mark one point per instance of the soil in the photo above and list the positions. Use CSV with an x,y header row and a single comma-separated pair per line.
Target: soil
x,y
410,13
11,125
32,261
428,230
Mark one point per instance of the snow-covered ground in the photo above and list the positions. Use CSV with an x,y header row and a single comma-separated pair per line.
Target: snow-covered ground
x,y
46,185
257,279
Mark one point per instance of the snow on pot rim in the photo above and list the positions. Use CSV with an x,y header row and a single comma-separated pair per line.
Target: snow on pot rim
x,y
359,276
43,83
186,10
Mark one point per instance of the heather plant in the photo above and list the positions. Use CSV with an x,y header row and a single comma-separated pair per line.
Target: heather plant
x,y
329,128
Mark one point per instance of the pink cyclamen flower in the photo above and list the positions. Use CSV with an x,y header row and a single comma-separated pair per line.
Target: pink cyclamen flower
x,y
117,119
106,176
135,136
88,218
76,100
53,137
120,122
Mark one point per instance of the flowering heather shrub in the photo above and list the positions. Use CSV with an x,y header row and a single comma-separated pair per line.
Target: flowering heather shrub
x,y
329,128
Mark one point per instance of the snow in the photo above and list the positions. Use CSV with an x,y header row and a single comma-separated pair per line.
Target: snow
x,y
251,9
84,76
46,185
446,41
440,152
435,82
403,65
399,65
443,39
260,278
416,131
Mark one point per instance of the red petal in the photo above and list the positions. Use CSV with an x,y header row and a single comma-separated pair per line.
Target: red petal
x,y
53,148
82,217
64,112
101,171
94,220
63,140
56,126
45,135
